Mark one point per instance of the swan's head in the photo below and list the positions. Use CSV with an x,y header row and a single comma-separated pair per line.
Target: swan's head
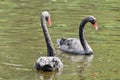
x,y
92,20
46,15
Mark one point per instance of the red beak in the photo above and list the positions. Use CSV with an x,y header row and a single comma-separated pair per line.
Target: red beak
x,y
49,22
95,25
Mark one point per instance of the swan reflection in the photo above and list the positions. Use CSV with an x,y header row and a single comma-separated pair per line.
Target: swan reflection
x,y
42,75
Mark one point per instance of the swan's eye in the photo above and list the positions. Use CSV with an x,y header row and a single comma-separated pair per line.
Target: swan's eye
x,y
46,18
93,21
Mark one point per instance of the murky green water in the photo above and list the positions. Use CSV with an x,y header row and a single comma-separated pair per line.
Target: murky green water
x,y
22,40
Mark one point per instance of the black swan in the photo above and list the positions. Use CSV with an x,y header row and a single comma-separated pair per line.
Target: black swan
x,y
78,46
49,62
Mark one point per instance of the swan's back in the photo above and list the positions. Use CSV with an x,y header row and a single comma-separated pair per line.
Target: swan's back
x,y
71,45
48,63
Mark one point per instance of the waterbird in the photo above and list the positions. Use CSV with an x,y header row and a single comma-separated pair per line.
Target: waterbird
x,y
78,46
49,62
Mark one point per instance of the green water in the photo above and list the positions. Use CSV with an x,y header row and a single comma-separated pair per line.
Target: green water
x,y
22,40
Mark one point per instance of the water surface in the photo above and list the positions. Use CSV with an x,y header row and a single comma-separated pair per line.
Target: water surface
x,y
22,40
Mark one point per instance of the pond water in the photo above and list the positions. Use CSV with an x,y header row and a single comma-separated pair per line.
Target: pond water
x,y
22,40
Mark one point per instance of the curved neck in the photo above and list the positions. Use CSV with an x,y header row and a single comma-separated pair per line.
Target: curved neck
x,y
49,44
82,37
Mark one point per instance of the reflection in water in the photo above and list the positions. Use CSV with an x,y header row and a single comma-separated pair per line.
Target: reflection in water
x,y
81,58
83,63
42,75
77,65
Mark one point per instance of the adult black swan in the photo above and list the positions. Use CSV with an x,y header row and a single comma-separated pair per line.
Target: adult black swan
x,y
49,62
78,46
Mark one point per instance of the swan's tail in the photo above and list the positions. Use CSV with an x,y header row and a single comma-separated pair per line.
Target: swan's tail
x,y
58,42
61,42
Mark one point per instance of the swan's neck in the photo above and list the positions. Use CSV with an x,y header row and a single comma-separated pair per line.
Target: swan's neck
x,y
83,41
50,48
